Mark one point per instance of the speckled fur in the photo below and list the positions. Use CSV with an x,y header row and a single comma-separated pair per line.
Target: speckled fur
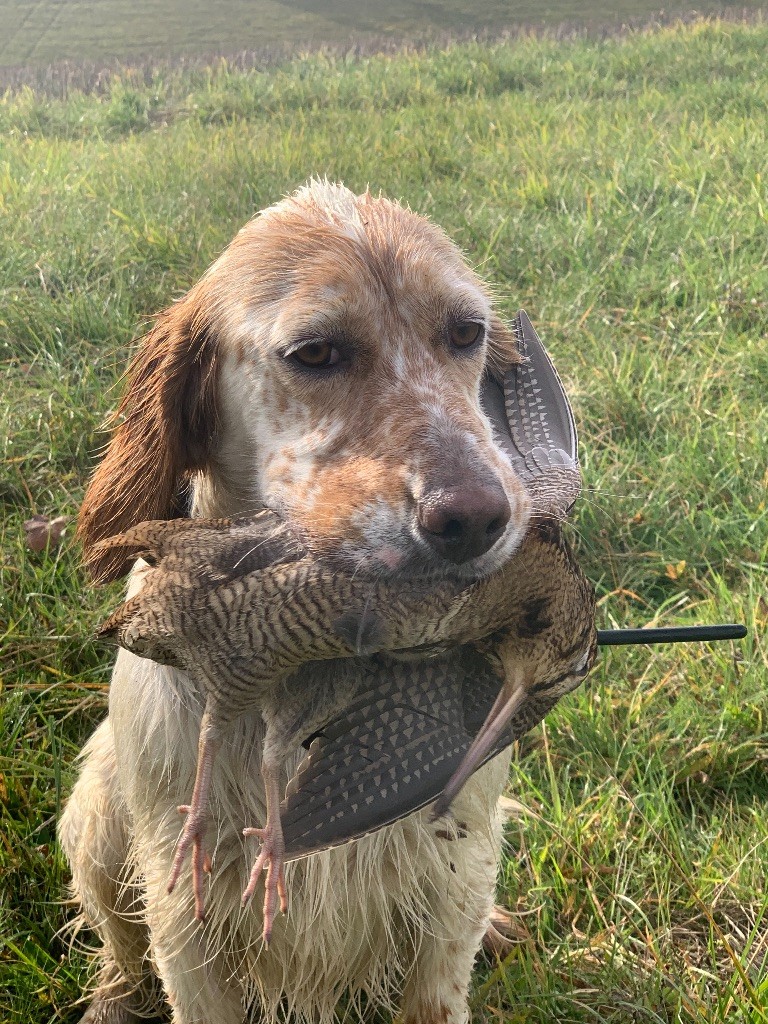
x,y
395,919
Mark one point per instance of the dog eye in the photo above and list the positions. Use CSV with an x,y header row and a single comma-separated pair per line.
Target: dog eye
x,y
465,333
317,355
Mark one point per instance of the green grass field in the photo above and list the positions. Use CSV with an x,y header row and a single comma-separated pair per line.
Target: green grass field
x,y
41,31
616,190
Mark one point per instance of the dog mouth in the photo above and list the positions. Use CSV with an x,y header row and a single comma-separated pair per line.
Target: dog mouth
x,y
471,570
389,542
412,560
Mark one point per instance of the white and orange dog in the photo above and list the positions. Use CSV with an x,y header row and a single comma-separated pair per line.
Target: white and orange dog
x,y
327,366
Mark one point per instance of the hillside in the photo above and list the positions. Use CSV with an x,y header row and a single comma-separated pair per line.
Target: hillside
x,y
39,32
616,189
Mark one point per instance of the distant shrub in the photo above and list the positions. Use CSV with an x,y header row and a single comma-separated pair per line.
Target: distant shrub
x,y
128,110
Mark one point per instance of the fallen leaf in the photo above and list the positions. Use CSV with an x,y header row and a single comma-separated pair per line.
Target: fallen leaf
x,y
43,532
674,572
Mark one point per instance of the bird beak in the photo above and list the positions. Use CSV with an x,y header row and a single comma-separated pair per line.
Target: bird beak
x,y
513,693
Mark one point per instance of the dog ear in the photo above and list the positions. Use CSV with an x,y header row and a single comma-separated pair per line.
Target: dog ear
x,y
533,421
163,430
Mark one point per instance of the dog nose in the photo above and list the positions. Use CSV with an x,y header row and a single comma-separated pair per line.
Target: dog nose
x,y
463,522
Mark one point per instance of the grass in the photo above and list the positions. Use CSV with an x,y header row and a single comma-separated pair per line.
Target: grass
x,y
617,190
39,32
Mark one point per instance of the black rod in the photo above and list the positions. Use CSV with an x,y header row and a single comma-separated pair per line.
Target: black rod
x,y
670,634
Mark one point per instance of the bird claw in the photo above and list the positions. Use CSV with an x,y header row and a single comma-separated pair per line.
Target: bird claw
x,y
192,836
271,857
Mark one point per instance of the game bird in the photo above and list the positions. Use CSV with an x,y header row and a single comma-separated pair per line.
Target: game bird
x,y
436,676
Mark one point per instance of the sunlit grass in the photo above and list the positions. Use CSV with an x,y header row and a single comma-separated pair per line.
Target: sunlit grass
x,y
617,191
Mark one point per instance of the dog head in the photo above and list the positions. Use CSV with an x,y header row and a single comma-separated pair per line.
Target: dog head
x,y
329,366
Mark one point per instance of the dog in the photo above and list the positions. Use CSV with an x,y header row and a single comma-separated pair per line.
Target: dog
x,y
328,366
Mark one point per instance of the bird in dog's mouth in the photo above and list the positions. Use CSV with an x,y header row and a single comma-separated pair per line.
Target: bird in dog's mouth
x,y
440,673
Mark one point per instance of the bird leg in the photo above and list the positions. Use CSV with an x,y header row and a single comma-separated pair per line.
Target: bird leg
x,y
193,833
272,849
512,694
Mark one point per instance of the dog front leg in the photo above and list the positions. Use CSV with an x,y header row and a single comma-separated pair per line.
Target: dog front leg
x,y
94,834
459,887
190,959
438,984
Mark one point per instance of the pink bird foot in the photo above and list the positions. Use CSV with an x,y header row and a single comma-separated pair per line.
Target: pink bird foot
x,y
193,833
270,857
192,836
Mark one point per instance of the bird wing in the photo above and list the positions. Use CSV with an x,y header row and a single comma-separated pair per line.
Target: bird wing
x,y
188,595
534,424
390,752
221,549
395,747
